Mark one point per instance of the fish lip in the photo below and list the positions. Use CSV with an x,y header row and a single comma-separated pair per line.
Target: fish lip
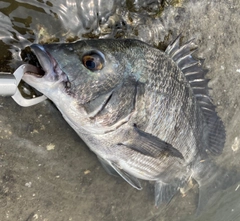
x,y
47,63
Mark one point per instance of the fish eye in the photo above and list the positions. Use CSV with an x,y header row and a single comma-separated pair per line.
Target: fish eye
x,y
93,61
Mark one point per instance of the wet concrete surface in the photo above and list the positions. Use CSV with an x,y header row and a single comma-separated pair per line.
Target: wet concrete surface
x,y
48,173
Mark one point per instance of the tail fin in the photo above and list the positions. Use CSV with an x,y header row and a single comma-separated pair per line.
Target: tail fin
x,y
214,179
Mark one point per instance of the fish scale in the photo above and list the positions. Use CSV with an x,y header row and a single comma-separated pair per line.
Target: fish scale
x,y
180,97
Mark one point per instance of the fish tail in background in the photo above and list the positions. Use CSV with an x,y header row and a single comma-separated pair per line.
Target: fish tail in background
x,y
165,192
214,133
211,180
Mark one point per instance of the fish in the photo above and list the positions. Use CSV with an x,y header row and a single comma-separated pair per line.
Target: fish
x,y
146,113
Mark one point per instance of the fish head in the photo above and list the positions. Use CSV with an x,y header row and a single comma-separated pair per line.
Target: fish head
x,y
91,81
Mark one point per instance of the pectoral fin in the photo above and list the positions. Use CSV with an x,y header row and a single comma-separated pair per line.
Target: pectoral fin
x,y
113,169
150,145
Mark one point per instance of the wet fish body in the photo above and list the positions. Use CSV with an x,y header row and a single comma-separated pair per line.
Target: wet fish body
x,y
145,113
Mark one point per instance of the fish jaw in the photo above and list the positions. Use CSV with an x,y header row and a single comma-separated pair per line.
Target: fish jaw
x,y
53,85
53,78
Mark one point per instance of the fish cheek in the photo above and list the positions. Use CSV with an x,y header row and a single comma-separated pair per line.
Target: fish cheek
x,y
120,105
95,93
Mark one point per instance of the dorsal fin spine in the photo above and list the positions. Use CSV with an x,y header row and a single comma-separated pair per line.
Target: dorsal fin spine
x,y
195,74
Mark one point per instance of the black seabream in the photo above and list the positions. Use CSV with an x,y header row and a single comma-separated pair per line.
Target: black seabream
x,y
145,113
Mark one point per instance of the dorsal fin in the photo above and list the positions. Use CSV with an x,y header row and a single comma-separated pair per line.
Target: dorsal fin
x,y
195,75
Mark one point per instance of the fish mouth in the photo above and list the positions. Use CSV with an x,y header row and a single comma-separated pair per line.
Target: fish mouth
x,y
33,66
41,64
